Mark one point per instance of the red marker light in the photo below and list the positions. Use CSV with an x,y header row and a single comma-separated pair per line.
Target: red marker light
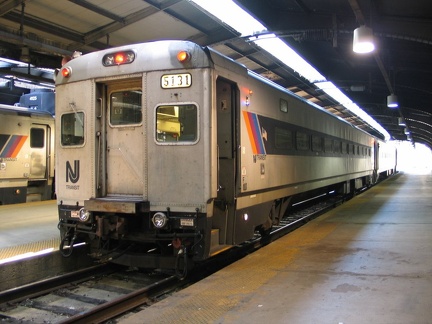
x,y
66,72
119,58
183,56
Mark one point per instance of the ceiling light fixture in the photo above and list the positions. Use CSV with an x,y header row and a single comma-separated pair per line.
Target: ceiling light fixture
x,y
392,101
363,41
25,54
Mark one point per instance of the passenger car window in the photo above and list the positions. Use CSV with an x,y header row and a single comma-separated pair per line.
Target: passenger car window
x,y
328,145
283,139
302,141
176,123
72,129
317,144
125,108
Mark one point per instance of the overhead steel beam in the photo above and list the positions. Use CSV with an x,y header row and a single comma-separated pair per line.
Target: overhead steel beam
x,y
45,27
27,76
98,9
103,31
39,44
7,6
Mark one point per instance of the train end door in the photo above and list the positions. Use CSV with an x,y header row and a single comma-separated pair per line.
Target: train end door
x,y
40,186
124,141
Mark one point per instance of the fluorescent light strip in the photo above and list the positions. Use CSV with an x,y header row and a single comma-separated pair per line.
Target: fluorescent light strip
x,y
274,45
235,17
329,88
232,15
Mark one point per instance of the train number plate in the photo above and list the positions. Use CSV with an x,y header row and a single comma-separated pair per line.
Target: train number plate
x,y
170,81
186,222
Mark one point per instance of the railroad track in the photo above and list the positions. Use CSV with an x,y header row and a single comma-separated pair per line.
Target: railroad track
x,y
104,292
86,296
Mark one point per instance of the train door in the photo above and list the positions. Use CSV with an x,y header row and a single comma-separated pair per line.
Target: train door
x,y
375,157
124,140
227,98
39,151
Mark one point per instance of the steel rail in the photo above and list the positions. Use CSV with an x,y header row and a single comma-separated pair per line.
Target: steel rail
x,y
125,303
45,286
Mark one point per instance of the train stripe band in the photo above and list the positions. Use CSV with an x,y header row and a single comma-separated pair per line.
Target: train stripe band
x,y
254,132
13,146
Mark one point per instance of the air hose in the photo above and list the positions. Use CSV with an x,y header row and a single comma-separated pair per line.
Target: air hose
x,y
181,274
67,252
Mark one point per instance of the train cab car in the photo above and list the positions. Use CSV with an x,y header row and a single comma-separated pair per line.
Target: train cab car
x,y
170,153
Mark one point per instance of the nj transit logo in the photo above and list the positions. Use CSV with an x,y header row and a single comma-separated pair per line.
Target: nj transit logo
x,y
73,174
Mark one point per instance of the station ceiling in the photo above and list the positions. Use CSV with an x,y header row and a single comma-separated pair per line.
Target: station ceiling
x,y
42,32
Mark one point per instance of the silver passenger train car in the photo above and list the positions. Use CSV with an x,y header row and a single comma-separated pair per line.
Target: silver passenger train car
x,y
27,149
169,152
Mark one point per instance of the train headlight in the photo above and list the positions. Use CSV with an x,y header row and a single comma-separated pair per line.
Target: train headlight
x,y
159,220
84,215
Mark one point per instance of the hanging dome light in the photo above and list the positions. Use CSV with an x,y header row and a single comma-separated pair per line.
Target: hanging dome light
x,y
363,41
392,101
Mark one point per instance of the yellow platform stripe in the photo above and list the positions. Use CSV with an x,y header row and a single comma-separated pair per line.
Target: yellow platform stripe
x,y
34,247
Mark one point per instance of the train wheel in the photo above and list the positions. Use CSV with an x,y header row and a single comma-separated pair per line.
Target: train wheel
x,y
265,234
264,231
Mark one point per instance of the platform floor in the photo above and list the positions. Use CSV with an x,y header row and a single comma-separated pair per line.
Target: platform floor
x,y
27,229
367,261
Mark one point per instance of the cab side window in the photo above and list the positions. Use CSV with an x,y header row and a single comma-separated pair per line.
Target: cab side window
x,y
72,129
176,123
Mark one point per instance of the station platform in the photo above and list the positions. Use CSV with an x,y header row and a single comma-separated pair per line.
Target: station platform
x,y
367,261
28,229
